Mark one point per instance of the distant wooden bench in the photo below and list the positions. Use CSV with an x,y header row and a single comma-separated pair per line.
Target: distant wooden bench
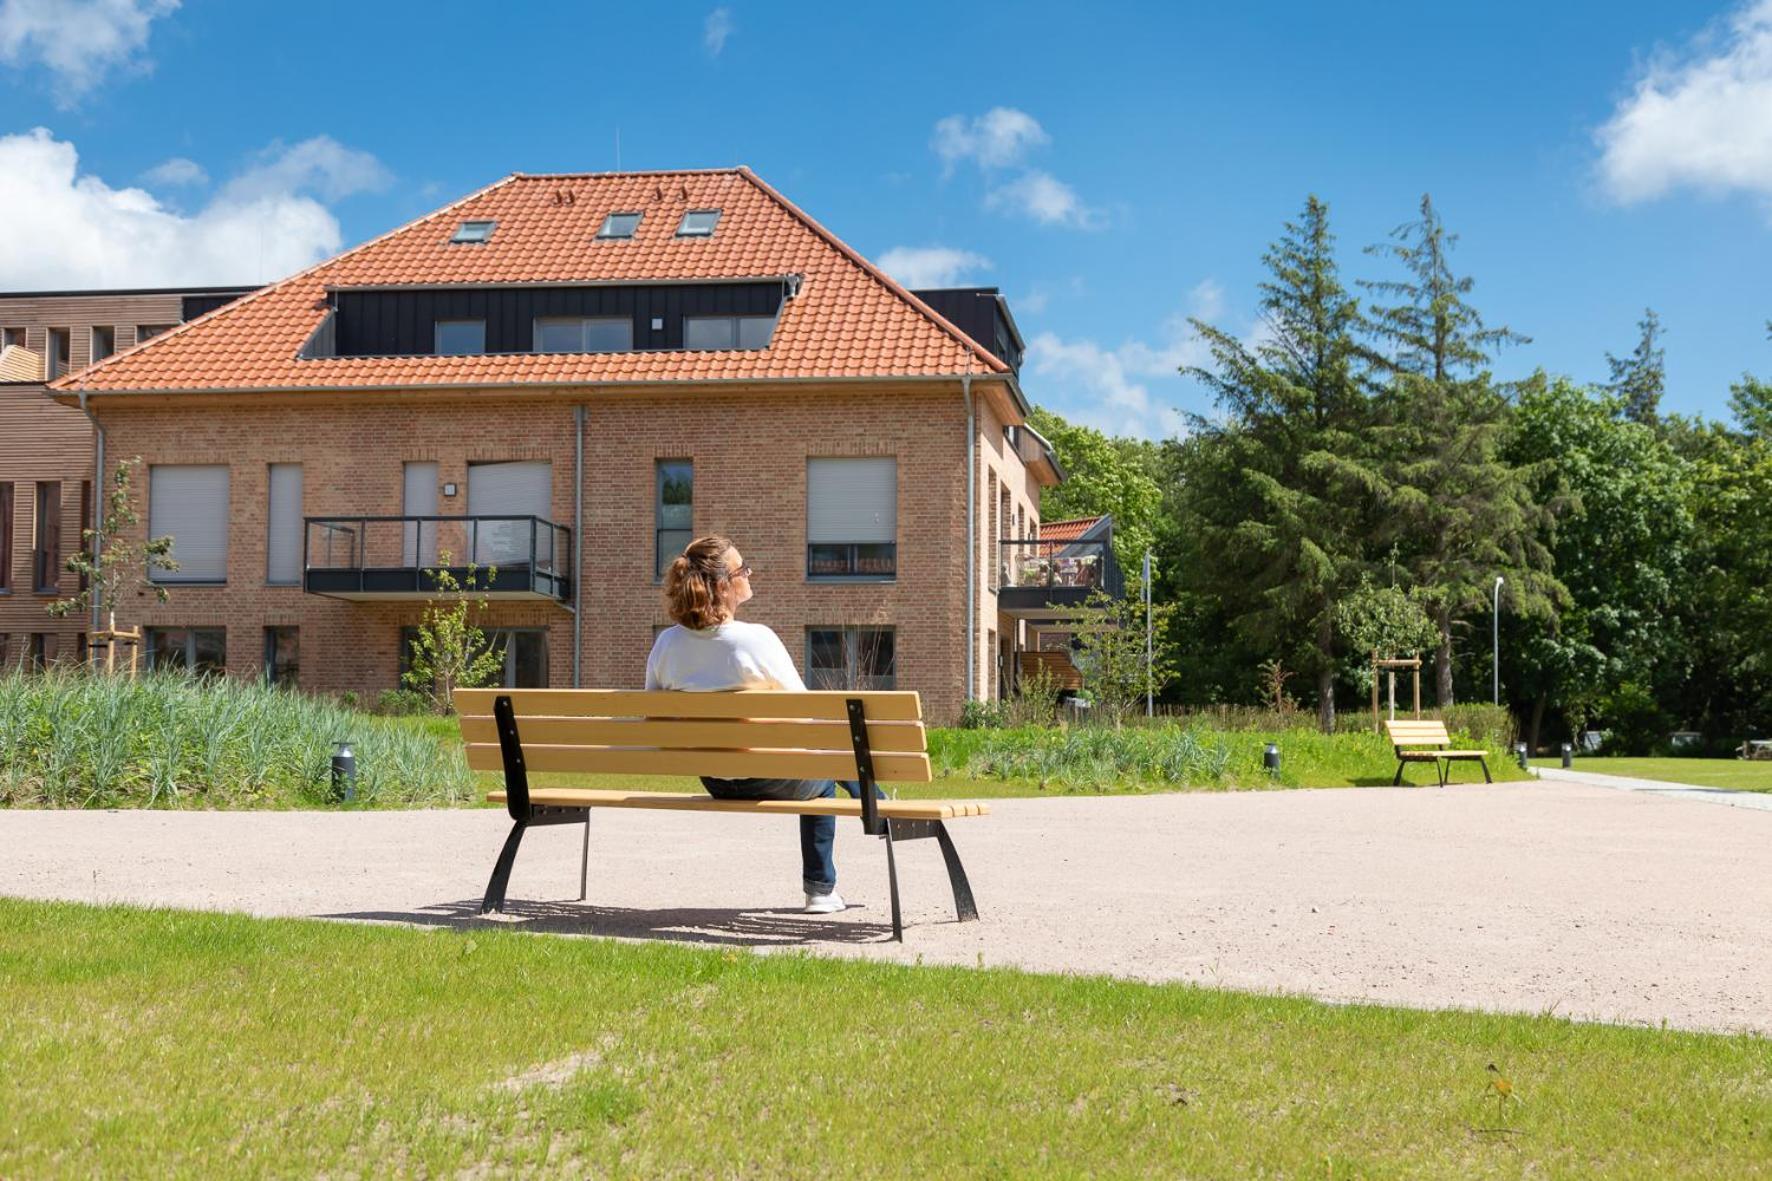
x,y
1424,742
864,737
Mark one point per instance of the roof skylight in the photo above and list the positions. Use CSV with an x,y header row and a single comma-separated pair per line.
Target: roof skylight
x,y
698,223
473,232
619,225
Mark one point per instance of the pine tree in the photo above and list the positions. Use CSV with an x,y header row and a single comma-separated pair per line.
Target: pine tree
x,y
1461,513
1285,494
1639,379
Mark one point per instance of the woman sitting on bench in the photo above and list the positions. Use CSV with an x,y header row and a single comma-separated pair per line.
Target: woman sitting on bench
x,y
709,650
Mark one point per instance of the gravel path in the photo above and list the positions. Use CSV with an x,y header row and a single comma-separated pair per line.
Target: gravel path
x,y
1527,897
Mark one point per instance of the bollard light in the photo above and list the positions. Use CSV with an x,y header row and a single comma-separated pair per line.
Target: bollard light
x,y
344,772
1520,753
1568,755
1270,758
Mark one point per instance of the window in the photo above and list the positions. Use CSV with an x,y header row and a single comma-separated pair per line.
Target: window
x,y
149,331
283,543
852,518
104,342
473,233
5,536
673,509
282,656
850,658
419,499
460,338
45,647
55,359
510,494
46,556
698,223
524,652
619,225
194,649
577,334
727,332
12,336
189,503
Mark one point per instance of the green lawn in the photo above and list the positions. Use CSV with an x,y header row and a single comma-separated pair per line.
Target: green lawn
x,y
155,1042
1735,774
1000,764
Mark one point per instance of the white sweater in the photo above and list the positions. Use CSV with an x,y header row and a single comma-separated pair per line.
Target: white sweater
x,y
734,655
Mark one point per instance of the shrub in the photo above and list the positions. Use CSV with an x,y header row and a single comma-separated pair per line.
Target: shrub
x,y
72,739
1491,725
403,703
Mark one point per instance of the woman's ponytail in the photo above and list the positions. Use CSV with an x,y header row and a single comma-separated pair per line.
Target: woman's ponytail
x,y
698,593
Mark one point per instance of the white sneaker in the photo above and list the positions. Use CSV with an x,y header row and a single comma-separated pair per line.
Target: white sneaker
x,y
824,903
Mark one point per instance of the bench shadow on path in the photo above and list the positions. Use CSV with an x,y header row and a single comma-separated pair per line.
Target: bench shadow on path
x,y
720,926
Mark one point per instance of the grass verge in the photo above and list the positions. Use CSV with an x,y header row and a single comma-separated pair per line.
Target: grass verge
x,y
1733,774
156,1042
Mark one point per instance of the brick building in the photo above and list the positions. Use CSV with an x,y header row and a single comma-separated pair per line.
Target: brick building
x,y
46,450
564,378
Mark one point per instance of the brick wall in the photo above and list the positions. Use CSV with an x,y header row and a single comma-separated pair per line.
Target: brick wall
x,y
749,450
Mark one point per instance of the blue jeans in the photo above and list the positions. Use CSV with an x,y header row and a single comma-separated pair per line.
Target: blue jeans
x,y
818,869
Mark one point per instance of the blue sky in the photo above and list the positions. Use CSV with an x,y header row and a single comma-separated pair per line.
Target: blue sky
x,y
1113,168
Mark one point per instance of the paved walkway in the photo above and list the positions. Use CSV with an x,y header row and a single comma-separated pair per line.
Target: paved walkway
x,y
1531,897
1673,791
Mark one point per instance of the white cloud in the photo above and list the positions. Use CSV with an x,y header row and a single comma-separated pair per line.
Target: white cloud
x,y
67,230
1703,119
999,141
931,266
1044,198
176,171
320,165
1110,388
999,138
714,31
77,41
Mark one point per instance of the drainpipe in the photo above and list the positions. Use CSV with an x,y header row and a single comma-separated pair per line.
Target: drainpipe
x,y
98,507
578,532
971,530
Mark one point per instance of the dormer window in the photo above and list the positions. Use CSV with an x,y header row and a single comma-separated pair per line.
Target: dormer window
x,y
619,225
473,232
698,223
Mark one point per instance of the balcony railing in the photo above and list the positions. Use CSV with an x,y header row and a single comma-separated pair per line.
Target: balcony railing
x,y
380,557
1056,571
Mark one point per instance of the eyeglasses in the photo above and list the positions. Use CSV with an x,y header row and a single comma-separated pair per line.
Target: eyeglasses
x,y
741,572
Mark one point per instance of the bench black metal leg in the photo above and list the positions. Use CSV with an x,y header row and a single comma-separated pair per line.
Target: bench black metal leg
x,y
584,861
892,879
1484,763
501,873
1397,782
964,906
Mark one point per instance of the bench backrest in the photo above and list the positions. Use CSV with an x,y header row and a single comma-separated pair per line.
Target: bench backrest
x,y
1413,732
761,734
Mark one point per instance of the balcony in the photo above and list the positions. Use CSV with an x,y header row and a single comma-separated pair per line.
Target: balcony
x,y
1050,578
382,559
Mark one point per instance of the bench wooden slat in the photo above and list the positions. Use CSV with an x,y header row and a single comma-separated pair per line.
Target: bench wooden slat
x,y
892,767
709,734
584,797
899,705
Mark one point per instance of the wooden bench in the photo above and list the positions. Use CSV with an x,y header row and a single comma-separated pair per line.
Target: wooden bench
x,y
863,737
1409,738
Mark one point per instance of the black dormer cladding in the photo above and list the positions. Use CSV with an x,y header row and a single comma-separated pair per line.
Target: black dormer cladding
x,y
978,312
403,323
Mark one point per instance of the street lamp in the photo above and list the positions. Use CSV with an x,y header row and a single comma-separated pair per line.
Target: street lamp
x,y
1498,581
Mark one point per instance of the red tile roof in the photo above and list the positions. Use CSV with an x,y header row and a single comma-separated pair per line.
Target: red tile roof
x,y
1066,530
849,321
